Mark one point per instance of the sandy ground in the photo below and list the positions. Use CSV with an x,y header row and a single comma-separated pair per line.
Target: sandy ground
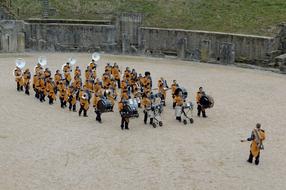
x,y
45,147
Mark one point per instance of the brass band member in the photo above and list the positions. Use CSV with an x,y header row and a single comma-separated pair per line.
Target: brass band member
x,y
257,137
77,72
18,78
116,74
124,120
162,86
36,79
71,93
50,90
41,87
84,105
146,103
57,79
62,94
95,103
174,86
179,101
200,107
67,74
26,81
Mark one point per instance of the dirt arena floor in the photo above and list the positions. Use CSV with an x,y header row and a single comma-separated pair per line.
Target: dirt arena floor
x,y
45,147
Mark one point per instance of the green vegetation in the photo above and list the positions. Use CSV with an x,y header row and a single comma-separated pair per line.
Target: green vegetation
x,y
239,16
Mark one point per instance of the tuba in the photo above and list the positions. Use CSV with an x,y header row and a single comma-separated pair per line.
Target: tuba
x,y
95,56
42,61
72,61
20,63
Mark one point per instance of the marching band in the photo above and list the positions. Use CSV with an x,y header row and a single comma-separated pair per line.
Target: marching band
x,y
135,91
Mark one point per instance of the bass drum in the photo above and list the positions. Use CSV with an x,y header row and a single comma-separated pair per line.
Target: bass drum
x,y
207,101
104,105
183,90
130,109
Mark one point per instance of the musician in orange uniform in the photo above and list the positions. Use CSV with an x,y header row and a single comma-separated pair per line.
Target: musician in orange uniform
x,y
200,107
92,64
62,94
84,105
162,90
257,137
50,86
88,73
42,87
116,74
26,81
124,120
174,86
77,72
18,78
106,81
57,79
146,103
89,84
47,73
38,69
179,101
36,78
96,99
71,93
67,74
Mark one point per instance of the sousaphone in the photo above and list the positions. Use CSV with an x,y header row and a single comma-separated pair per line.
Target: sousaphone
x,y
42,61
95,56
20,63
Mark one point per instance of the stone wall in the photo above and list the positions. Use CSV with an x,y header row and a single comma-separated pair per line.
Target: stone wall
x,y
12,37
125,35
4,14
206,46
70,37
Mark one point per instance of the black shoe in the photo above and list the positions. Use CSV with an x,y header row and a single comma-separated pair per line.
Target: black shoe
x,y
256,162
122,127
126,128
250,161
204,116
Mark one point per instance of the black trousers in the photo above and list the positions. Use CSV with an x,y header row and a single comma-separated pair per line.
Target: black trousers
x,y
82,110
42,96
163,100
51,100
63,103
146,118
37,94
72,107
98,116
124,123
201,110
27,88
118,83
250,159
19,87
